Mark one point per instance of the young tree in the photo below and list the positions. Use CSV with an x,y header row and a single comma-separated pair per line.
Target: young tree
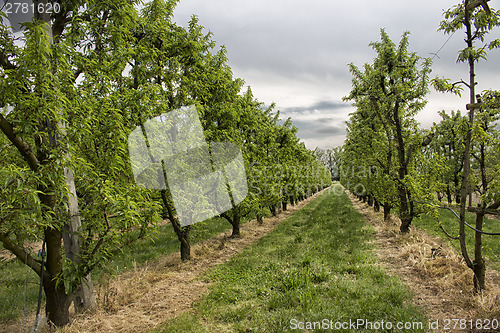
x,y
448,144
393,91
368,165
477,19
45,83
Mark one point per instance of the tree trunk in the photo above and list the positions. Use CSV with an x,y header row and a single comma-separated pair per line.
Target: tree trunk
x,y
464,187
185,246
479,266
284,205
57,303
183,236
236,228
404,208
470,196
70,233
85,297
448,194
456,182
272,208
387,211
376,206
181,232
405,213
370,200
234,220
260,219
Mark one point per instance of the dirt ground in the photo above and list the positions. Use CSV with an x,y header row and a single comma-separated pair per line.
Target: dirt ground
x,y
432,270
149,295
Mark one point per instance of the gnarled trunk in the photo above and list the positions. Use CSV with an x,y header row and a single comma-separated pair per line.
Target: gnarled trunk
x,y
181,232
387,211
234,219
57,303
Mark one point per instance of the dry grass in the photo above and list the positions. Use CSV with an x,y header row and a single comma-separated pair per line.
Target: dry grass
x,y
432,270
150,295
142,299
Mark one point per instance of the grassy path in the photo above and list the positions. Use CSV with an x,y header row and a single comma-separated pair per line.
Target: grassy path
x,y
157,291
434,271
316,267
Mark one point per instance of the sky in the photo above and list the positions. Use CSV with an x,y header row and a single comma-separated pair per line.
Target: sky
x,y
296,53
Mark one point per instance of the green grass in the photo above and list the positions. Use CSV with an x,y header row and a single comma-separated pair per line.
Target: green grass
x,y
317,265
14,299
491,244
18,290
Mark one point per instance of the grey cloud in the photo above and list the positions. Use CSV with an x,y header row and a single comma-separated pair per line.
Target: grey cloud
x,y
331,130
308,129
325,120
298,51
320,106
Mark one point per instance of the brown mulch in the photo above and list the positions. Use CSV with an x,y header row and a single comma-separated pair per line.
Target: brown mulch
x,y
432,270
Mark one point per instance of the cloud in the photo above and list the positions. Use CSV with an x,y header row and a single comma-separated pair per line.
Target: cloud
x,y
295,53
319,125
331,130
318,106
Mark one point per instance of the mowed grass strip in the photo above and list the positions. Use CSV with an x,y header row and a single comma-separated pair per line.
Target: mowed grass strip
x,y
19,284
317,265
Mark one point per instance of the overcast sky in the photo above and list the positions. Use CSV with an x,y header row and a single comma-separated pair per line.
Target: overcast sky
x,y
295,53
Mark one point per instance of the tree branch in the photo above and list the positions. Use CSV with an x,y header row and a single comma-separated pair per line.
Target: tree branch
x,y
428,139
496,205
101,238
5,63
20,253
20,144
409,155
447,234
227,217
60,21
459,82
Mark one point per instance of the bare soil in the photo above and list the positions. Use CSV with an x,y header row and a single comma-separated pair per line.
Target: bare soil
x,y
433,271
